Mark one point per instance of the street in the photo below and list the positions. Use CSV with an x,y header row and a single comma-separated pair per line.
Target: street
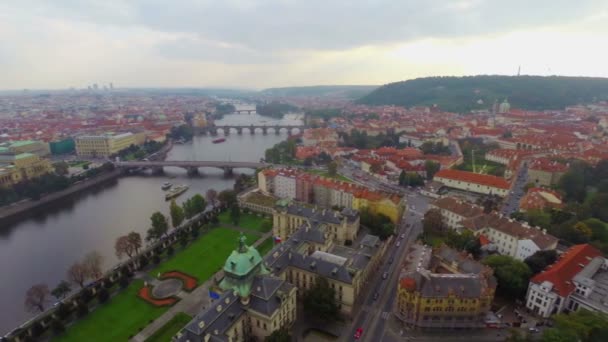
x,y
375,313
511,202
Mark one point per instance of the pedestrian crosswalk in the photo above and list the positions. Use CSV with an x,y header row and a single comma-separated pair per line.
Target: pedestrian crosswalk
x,y
385,315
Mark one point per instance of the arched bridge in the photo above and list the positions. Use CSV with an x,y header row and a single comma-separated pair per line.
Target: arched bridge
x,y
226,129
190,166
248,111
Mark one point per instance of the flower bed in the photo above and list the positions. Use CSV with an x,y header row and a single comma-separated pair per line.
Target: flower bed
x,y
189,281
145,293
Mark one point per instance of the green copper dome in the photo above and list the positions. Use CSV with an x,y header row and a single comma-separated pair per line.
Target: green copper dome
x,y
241,266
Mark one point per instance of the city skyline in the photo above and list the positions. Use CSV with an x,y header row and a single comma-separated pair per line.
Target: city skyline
x,y
256,45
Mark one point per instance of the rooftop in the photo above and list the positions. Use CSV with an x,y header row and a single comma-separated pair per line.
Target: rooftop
x,y
569,264
470,177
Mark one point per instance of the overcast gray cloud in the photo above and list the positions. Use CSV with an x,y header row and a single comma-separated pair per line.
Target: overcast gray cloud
x,y
282,33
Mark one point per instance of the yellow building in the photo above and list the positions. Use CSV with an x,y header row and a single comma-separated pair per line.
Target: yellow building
x,y
444,289
342,225
378,203
15,168
106,145
312,252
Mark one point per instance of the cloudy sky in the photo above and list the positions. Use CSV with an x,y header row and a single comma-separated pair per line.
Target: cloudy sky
x,y
267,43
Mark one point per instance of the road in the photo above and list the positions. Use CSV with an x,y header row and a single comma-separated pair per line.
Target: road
x,y
373,314
511,202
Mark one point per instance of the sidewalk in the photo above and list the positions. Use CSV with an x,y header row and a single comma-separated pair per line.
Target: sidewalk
x,y
191,303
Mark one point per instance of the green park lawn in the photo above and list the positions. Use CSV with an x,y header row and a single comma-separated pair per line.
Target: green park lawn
x,y
115,320
206,255
125,313
247,221
167,331
266,246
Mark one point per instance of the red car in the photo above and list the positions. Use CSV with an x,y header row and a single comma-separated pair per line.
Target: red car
x,y
358,333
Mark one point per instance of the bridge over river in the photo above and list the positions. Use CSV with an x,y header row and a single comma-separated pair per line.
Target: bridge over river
x,y
191,166
226,129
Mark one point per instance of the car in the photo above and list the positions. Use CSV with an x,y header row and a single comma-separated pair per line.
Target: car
x,y
398,243
390,261
358,333
376,295
384,275
533,330
402,236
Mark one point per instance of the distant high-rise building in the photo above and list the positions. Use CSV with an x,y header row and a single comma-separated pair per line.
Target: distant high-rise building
x,y
111,86
95,86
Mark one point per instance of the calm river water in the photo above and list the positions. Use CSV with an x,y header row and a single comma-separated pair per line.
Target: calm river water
x,y
40,248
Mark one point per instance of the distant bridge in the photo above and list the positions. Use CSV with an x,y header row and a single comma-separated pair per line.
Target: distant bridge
x,y
248,111
227,129
190,166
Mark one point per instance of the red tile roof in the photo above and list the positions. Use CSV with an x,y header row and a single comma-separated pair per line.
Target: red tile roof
x,y
566,268
470,177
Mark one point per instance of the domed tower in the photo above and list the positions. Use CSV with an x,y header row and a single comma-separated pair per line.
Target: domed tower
x,y
504,107
240,268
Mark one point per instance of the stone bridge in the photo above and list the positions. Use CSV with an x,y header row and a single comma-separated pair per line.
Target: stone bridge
x,y
226,129
191,166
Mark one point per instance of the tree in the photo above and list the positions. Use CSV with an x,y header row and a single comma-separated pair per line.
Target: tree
x,y
198,204
512,275
159,227
540,260
581,325
135,241
211,196
123,246
281,335
227,198
77,273
403,181
177,214
235,214
378,224
433,222
332,168
61,168
61,290
320,301
36,297
93,263
583,230
431,168
573,184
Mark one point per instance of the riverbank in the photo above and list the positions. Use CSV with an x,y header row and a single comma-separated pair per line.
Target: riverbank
x,y
11,211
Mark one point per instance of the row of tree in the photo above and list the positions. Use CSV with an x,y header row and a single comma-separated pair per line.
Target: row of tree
x,y
89,268
52,182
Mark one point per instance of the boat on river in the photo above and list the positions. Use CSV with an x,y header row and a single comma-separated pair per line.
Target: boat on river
x,y
219,140
166,186
176,191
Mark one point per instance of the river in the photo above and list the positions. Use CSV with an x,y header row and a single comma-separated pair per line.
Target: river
x,y
40,248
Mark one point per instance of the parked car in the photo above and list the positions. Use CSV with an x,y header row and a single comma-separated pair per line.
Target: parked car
x,y
376,295
384,275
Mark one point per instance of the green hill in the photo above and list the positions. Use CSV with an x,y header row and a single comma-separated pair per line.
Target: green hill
x,y
462,94
349,91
